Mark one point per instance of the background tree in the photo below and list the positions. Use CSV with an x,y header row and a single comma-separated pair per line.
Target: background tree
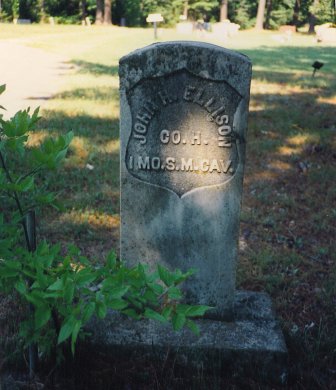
x,y
247,13
82,9
107,12
99,12
296,13
243,12
323,11
260,15
202,9
223,15
185,9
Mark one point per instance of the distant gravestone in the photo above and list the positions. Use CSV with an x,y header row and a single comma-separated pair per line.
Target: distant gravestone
x,y
22,21
183,127
184,27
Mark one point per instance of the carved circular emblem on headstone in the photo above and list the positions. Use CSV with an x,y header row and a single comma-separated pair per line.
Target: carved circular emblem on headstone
x,y
182,134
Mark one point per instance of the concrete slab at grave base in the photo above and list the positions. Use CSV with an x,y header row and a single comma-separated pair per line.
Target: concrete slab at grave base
x,y
252,344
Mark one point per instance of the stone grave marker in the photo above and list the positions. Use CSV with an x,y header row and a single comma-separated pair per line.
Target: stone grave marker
x,y
183,127
184,108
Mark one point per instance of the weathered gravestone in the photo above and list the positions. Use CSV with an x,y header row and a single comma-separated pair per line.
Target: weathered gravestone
x,y
183,123
184,109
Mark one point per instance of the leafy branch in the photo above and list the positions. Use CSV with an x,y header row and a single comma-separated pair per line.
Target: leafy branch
x,y
65,291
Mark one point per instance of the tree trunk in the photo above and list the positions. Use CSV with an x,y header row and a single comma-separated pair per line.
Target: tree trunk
x,y
312,19
41,10
99,12
260,15
108,12
82,9
268,13
223,10
295,20
185,9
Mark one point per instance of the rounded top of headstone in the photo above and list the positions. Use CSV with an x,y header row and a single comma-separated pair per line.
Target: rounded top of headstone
x,y
202,59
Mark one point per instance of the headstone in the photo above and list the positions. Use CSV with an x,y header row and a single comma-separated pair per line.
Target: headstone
x,y
287,29
22,21
184,27
183,126
225,29
326,33
184,109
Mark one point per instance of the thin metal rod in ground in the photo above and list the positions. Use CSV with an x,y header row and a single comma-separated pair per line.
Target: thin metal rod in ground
x,y
30,225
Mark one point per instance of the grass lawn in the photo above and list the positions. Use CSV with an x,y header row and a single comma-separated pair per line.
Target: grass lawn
x,y
287,240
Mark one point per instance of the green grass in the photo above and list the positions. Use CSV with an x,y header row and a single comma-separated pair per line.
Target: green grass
x,y
288,215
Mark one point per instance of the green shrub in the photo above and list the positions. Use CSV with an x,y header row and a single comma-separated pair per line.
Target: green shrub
x,y
66,289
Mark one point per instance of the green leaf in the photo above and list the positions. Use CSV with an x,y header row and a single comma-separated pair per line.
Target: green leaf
x,y
74,335
178,321
181,277
192,311
49,198
174,293
88,311
85,277
193,327
37,298
41,278
56,294
42,316
196,311
153,315
132,313
69,291
166,312
117,292
42,248
117,304
13,265
101,309
149,296
111,260
21,287
157,288
182,308
26,184
2,88
58,285
67,328
9,273
165,276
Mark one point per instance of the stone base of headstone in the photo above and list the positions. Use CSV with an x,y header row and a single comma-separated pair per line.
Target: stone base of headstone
x,y
251,345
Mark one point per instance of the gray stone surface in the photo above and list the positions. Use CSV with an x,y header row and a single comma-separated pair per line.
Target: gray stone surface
x,y
252,343
184,112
